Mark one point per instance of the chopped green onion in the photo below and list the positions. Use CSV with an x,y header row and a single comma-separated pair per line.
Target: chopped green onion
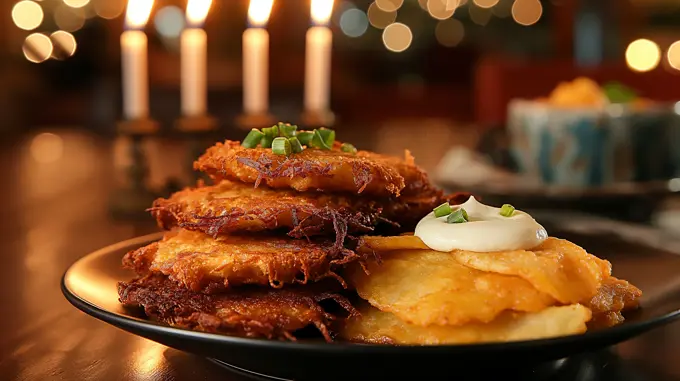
x,y
346,147
318,141
295,145
442,210
281,146
287,130
457,217
328,136
272,131
305,137
507,210
266,141
252,139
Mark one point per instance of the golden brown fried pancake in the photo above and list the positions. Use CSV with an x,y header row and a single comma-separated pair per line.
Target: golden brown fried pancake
x,y
375,326
615,296
314,169
252,312
426,287
200,262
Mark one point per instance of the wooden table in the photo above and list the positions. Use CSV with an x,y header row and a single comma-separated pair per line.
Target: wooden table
x,y
55,210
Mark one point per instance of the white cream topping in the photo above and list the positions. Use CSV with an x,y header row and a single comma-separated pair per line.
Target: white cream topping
x,y
486,231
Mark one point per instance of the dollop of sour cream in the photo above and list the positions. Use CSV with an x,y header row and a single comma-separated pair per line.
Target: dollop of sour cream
x,y
486,231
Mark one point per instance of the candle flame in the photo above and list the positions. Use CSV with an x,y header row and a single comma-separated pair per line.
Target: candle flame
x,y
197,11
138,12
258,12
321,11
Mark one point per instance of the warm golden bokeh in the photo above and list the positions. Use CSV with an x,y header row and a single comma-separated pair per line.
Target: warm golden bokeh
x,y
76,3
138,12
379,18
27,15
527,12
441,9
321,11
485,3
37,47
673,55
397,37
389,5
643,55
449,32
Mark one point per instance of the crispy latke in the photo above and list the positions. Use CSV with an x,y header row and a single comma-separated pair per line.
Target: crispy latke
x,y
426,287
200,262
315,169
375,326
252,312
614,297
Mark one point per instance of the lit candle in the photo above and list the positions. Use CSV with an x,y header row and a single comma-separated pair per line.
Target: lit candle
x,y
318,58
133,46
256,58
194,59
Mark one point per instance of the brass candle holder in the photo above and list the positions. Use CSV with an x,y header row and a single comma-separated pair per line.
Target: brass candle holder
x,y
201,131
312,118
250,121
133,198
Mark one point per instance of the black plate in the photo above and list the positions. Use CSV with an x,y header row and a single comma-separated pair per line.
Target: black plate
x,y
643,256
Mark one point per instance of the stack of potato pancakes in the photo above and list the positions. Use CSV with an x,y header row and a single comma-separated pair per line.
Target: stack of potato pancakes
x,y
301,234
258,253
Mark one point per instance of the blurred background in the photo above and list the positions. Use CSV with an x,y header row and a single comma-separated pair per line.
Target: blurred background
x,y
551,104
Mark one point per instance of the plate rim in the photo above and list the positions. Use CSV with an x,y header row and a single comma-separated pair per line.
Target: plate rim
x,y
628,330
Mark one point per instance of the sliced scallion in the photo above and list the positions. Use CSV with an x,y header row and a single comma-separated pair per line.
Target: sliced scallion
x,y
252,139
507,210
272,131
287,130
346,147
318,141
457,217
266,141
442,210
328,136
281,146
295,145
305,137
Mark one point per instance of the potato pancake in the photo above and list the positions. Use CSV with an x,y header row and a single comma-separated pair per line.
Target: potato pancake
x,y
252,312
426,287
375,326
200,262
314,169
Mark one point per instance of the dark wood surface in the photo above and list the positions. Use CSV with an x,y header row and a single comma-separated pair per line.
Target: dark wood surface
x,y
55,209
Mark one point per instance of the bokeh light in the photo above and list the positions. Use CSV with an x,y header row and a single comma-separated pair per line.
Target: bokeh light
x,y
69,19
47,147
64,45
389,5
27,15
397,37
37,47
169,21
76,3
353,22
527,12
502,9
441,9
108,9
379,18
673,55
485,3
449,32
643,55
479,16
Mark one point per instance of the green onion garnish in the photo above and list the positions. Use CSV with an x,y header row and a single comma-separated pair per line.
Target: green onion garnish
x,y
266,141
457,217
346,147
281,146
287,130
507,210
327,135
442,210
295,145
252,139
272,131
318,141
305,137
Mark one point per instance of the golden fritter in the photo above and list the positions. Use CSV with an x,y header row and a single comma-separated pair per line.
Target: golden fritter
x,y
375,326
199,262
314,169
252,312
426,287
615,296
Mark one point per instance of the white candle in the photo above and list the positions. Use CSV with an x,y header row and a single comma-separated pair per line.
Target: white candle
x,y
255,71
194,66
318,68
318,58
133,46
256,58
